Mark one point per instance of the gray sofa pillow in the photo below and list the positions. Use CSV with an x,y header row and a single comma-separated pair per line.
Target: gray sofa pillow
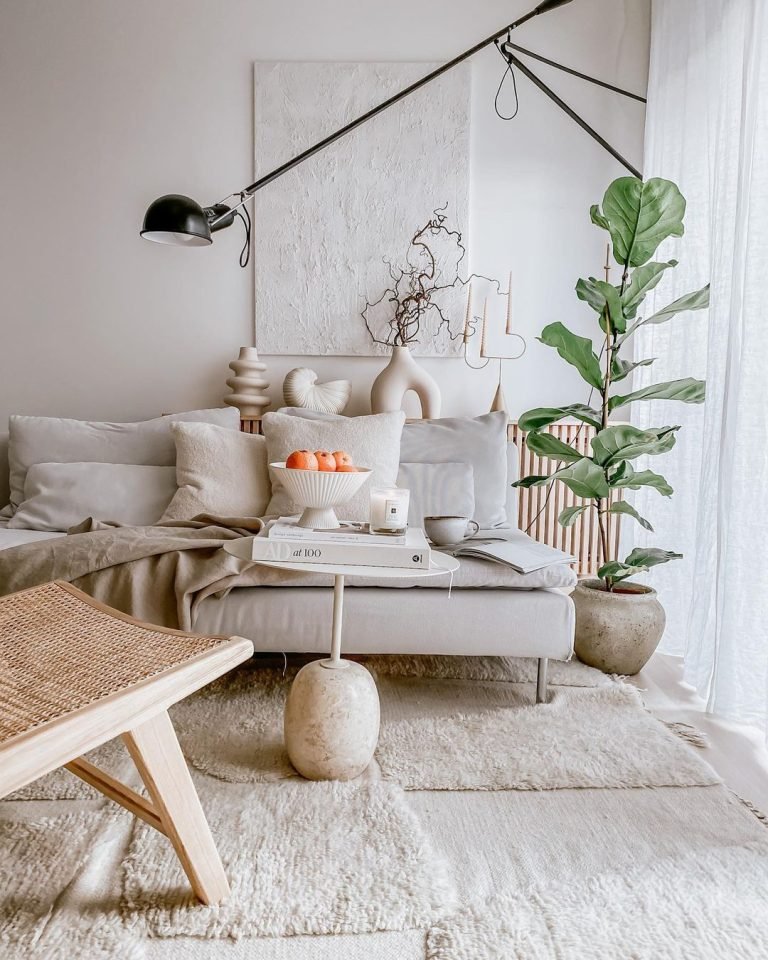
x,y
59,495
438,490
479,441
59,440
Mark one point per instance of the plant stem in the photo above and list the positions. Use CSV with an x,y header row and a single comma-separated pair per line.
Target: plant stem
x,y
610,345
604,544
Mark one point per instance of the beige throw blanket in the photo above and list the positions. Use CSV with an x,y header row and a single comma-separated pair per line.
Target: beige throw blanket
x,y
159,574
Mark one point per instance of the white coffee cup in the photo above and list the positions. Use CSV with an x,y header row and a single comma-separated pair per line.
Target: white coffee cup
x,y
444,531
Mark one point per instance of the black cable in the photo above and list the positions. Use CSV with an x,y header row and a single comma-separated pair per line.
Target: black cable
x,y
245,253
507,71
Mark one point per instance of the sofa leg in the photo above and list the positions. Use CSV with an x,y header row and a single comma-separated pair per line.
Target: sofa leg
x,y
541,681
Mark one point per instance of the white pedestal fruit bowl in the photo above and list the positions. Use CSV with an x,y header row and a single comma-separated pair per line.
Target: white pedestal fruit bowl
x,y
319,491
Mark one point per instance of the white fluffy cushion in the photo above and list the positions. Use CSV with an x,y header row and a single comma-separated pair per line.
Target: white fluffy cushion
x,y
372,442
438,490
57,440
219,472
59,495
481,441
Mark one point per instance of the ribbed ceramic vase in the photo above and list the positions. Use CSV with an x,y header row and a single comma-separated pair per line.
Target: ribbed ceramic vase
x,y
248,385
400,375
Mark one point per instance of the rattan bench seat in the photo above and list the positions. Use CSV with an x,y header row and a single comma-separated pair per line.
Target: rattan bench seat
x,y
74,674
60,652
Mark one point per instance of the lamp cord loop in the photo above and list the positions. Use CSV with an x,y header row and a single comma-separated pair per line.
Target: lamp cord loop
x,y
245,253
508,71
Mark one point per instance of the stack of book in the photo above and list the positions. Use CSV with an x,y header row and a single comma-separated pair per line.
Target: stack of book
x,y
351,544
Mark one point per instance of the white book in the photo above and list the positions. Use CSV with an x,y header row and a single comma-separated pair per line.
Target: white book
x,y
413,554
522,554
287,528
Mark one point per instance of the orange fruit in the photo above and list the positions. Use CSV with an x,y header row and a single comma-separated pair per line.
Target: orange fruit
x,y
342,459
302,460
325,461
346,468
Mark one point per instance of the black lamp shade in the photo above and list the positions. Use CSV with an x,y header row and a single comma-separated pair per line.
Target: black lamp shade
x,y
178,220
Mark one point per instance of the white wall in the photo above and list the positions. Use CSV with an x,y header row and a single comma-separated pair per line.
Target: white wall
x,y
106,104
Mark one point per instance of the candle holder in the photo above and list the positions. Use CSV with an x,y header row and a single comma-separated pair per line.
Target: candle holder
x,y
499,401
389,510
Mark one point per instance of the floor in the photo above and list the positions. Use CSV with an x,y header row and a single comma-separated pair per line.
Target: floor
x,y
738,753
508,839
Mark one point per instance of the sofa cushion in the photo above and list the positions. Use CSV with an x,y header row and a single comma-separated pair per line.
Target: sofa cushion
x,y
480,441
59,440
520,623
372,442
438,490
17,538
219,472
473,574
59,495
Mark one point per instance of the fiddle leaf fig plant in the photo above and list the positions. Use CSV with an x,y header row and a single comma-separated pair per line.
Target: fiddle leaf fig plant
x,y
638,215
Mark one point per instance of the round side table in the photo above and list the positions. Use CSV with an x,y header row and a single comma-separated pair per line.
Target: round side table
x,y
332,714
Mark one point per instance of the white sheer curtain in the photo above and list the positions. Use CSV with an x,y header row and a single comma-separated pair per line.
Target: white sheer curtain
x,y
707,129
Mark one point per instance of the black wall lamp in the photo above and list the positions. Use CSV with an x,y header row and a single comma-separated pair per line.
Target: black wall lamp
x,y
176,219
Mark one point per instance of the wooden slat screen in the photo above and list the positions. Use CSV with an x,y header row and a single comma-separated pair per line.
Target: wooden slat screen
x,y
539,507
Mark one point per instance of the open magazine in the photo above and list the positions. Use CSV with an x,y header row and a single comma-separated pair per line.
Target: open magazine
x,y
521,553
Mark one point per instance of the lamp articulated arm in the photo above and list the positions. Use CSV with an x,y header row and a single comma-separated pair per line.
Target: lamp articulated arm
x,y
176,219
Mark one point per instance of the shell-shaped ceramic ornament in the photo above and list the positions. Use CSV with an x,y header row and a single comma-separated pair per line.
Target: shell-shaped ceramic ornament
x,y
301,389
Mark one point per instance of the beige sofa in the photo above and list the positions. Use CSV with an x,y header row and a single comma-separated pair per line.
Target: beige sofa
x,y
491,610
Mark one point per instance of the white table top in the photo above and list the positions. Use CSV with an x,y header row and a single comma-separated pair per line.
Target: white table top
x,y
441,563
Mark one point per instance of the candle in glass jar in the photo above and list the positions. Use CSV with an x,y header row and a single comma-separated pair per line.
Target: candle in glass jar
x,y
389,510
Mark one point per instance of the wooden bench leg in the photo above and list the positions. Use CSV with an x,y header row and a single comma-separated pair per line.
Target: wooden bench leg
x,y
158,758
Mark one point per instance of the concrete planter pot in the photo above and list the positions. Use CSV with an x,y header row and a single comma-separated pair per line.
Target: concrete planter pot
x,y
617,632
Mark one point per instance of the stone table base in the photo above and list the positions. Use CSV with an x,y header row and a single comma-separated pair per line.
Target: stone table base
x,y
332,720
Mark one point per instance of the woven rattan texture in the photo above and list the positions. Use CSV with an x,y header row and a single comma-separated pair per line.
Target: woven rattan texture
x,y
58,654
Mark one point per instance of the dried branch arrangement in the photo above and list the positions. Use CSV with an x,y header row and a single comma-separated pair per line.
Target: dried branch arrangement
x,y
420,287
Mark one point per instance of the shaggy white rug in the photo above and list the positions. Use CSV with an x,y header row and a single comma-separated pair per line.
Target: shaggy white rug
x,y
302,858
583,738
572,673
249,704
436,734
708,906
38,861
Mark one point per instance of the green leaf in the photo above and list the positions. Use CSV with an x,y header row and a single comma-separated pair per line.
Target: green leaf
x,y
641,215
651,557
597,218
687,390
639,561
547,445
574,350
532,481
602,296
543,416
698,300
643,280
627,476
616,570
585,478
568,516
622,368
625,442
623,507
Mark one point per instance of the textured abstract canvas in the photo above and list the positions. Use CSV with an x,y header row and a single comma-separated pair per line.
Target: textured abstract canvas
x,y
324,230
